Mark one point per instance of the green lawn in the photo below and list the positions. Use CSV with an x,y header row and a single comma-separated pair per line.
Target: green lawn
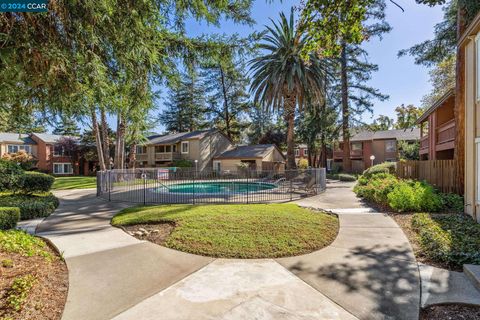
x,y
77,182
238,231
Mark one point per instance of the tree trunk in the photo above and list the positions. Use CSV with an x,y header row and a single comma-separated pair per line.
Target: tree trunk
x,y
104,136
347,164
225,105
120,143
98,141
132,156
290,119
323,152
460,105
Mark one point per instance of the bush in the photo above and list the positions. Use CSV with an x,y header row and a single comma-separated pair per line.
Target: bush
x,y
410,196
36,182
302,164
9,217
450,239
376,188
11,176
342,177
386,167
183,163
452,202
31,206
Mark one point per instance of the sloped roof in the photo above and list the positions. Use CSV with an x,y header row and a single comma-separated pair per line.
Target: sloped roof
x,y
440,102
253,151
400,134
177,137
51,138
16,137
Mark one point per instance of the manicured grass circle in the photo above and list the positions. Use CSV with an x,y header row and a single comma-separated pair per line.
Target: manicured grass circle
x,y
238,231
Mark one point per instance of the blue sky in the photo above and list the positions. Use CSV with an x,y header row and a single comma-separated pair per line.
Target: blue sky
x,y
400,78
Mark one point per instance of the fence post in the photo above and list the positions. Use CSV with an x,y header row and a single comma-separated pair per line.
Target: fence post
x,y
109,185
291,189
193,189
144,188
247,187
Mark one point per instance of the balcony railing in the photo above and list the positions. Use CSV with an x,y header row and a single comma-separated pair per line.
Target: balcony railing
x,y
424,142
353,153
446,132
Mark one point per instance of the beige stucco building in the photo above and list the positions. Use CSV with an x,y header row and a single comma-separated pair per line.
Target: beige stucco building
x,y
256,157
201,146
470,42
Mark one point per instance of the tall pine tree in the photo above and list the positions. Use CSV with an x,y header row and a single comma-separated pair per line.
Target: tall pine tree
x,y
185,106
66,126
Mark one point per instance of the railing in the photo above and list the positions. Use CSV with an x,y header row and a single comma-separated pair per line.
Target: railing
x,y
446,132
353,153
157,185
424,142
338,153
164,156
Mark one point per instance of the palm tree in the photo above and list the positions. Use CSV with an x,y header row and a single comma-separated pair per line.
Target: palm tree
x,y
282,79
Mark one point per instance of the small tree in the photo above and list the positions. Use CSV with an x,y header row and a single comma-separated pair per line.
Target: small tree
x,y
70,148
24,159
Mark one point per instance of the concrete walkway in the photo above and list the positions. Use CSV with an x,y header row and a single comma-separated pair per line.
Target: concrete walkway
x,y
369,272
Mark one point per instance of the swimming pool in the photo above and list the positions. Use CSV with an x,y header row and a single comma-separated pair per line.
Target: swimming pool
x,y
217,187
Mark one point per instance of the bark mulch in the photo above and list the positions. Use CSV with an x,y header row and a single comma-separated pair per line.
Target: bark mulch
x,y
450,312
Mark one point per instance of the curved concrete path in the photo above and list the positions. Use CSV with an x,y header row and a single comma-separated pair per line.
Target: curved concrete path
x,y
369,272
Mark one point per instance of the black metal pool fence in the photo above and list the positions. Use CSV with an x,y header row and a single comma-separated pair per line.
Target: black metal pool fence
x,y
167,185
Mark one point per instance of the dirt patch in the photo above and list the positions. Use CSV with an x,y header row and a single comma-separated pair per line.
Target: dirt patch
x,y
46,298
450,312
155,232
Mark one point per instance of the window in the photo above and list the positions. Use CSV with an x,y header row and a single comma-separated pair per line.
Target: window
x,y
159,149
390,146
305,152
58,151
174,148
14,148
297,153
141,149
62,168
356,146
168,149
184,147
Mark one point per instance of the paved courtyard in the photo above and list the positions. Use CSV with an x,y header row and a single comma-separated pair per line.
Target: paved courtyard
x,y
368,272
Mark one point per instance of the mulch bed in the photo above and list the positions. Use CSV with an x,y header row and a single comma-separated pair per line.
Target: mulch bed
x,y
155,232
450,312
48,295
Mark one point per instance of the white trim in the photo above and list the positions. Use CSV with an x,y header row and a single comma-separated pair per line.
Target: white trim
x,y
19,147
477,67
62,164
477,169
188,147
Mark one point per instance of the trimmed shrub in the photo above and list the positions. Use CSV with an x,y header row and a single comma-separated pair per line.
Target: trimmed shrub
x,y
386,167
410,196
9,217
183,163
342,177
452,202
376,188
11,176
31,206
450,239
36,182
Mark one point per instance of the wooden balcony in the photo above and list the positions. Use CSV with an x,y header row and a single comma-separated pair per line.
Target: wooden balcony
x,y
338,154
164,156
424,144
446,132
141,157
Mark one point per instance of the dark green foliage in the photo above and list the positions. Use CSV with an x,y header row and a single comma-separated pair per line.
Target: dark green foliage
x,y
11,176
342,177
183,163
386,167
36,182
376,188
185,106
452,202
450,239
409,150
31,206
67,126
9,216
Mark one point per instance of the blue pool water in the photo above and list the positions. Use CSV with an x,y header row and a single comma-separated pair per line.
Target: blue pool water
x,y
219,187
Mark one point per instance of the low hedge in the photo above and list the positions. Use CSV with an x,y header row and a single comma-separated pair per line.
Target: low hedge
x,y
36,182
9,216
453,240
405,195
342,177
386,167
31,206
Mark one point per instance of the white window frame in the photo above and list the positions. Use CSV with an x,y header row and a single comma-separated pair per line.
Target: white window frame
x,y
477,165
297,152
356,143
305,152
188,147
58,154
62,165
19,147
143,148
